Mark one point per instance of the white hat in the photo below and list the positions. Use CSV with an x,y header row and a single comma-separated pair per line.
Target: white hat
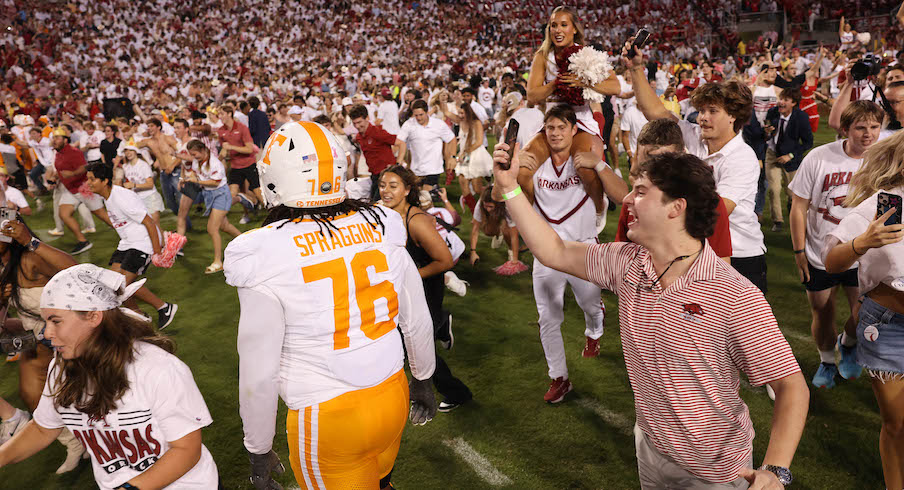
x,y
295,110
347,101
314,102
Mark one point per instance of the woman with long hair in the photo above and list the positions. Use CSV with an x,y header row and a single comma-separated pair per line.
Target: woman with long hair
x,y
208,172
563,31
863,236
491,219
114,382
400,191
474,161
28,264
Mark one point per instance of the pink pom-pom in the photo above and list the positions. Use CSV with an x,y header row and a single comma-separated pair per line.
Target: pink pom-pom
x,y
173,242
510,268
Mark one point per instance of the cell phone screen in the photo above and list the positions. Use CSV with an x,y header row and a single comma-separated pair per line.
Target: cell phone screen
x,y
887,201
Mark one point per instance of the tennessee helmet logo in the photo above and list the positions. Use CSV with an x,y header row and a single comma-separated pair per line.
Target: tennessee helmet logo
x,y
692,312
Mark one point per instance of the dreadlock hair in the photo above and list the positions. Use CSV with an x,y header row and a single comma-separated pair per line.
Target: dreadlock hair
x,y
323,216
9,275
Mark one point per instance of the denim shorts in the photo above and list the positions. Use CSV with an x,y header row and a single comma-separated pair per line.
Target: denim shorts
x,y
219,198
884,355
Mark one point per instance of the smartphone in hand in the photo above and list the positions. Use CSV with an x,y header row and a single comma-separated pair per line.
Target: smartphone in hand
x,y
884,203
511,137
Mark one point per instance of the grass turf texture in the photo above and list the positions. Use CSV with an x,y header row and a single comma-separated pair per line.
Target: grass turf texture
x,y
498,354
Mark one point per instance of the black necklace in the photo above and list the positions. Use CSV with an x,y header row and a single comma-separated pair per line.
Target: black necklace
x,y
676,259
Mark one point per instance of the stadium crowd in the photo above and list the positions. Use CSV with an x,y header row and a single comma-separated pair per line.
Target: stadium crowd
x,y
99,100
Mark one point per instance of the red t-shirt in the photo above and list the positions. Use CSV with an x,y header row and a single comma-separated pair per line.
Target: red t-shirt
x,y
238,136
70,158
376,145
719,241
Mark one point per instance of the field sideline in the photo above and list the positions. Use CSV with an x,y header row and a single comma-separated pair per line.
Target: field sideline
x,y
507,437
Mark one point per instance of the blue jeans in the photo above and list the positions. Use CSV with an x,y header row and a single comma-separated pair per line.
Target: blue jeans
x,y
169,184
36,173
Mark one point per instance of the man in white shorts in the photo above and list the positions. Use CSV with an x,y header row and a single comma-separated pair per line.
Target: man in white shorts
x,y
71,168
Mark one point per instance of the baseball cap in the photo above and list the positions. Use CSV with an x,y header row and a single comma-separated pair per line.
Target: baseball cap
x,y
295,110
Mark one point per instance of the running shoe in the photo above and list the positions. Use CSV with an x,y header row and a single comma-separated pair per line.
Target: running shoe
x,y
246,202
825,375
591,348
81,247
456,285
165,315
13,425
557,390
848,367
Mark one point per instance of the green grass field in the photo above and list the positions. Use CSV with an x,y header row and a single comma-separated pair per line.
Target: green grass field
x,y
511,437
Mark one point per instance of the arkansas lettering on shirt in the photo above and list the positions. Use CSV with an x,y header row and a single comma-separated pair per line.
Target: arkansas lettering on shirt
x,y
162,404
684,350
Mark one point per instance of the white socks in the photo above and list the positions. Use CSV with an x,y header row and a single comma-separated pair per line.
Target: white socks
x,y
827,356
847,340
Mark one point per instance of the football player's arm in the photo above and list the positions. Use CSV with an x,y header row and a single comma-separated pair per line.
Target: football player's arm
x,y
540,238
260,340
415,321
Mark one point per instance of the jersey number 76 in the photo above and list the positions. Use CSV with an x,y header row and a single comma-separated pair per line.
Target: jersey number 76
x,y
366,294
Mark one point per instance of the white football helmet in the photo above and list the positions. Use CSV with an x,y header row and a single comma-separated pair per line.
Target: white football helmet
x,y
302,166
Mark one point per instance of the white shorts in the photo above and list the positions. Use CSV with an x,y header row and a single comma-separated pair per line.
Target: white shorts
x,y
93,203
152,201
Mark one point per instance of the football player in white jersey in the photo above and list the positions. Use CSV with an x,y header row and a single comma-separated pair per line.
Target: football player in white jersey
x,y
559,195
323,286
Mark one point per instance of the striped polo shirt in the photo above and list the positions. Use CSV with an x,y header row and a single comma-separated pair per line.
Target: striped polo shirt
x,y
684,350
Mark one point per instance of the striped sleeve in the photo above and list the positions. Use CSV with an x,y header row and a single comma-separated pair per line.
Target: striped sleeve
x,y
607,262
755,343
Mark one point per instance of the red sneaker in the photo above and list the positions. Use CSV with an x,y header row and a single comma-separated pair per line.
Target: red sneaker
x,y
557,390
591,348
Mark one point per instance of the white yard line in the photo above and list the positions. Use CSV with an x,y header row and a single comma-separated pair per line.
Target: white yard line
x,y
791,334
481,465
615,419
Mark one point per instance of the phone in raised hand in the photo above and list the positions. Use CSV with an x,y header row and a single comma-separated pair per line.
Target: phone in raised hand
x,y
511,137
886,202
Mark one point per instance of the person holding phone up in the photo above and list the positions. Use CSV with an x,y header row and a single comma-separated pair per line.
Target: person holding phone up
x,y
871,234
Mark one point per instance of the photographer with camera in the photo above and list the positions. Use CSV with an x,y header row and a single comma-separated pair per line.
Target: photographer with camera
x,y
28,264
890,98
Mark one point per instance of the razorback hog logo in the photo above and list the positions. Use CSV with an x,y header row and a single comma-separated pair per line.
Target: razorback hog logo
x,y
692,312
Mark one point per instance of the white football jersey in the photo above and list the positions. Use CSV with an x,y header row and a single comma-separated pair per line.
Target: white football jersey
x,y
560,198
342,294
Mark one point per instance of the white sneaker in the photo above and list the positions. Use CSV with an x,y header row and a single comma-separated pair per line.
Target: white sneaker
x,y
74,453
39,205
89,230
770,392
245,220
455,284
55,232
511,255
13,425
497,242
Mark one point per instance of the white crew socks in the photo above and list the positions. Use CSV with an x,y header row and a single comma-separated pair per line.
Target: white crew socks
x,y
827,356
847,340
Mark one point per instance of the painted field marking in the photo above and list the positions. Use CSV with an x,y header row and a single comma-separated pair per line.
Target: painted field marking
x,y
615,419
481,465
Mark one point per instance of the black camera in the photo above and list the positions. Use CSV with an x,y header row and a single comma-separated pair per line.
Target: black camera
x,y
868,66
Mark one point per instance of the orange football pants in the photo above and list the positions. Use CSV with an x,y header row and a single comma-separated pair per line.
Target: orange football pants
x,y
351,441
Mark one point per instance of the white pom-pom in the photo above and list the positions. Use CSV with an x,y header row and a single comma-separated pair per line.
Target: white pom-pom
x,y
863,37
591,67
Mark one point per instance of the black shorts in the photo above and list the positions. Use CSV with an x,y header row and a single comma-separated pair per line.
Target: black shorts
x,y
238,176
753,268
821,280
131,260
430,180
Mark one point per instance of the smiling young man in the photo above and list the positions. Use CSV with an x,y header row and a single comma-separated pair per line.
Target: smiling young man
x,y
724,108
818,190
689,323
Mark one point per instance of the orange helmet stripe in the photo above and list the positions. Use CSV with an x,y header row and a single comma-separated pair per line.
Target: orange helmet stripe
x,y
324,157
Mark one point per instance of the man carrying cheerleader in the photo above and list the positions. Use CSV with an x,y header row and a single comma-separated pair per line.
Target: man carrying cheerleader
x,y
139,237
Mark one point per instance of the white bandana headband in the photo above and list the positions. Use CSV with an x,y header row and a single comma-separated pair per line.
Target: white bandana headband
x,y
87,287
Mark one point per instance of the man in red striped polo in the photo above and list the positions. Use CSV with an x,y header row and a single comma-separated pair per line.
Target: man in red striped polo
x,y
690,325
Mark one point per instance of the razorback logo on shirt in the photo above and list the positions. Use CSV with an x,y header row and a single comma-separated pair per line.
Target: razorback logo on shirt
x,y
692,312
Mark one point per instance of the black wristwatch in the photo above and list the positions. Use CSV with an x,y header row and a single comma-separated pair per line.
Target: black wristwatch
x,y
783,474
33,244
128,486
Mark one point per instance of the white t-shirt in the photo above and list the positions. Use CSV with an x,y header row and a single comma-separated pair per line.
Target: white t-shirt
x,y
485,96
736,170
162,405
823,178
93,138
16,197
633,121
127,211
426,144
478,214
884,264
764,98
388,112
214,170
138,173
